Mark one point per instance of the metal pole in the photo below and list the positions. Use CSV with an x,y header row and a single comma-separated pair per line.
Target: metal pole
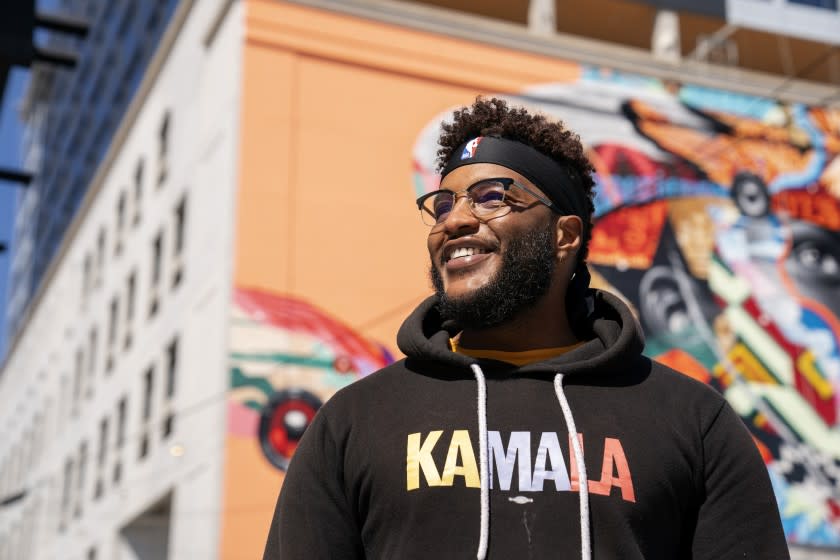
x,y
20,177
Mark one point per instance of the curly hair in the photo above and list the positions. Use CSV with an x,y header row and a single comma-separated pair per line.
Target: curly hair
x,y
493,117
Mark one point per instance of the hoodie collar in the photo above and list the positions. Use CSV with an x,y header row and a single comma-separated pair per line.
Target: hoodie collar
x,y
615,335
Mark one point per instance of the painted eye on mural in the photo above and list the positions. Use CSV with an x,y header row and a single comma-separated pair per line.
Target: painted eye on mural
x,y
819,260
283,422
750,195
815,255
814,265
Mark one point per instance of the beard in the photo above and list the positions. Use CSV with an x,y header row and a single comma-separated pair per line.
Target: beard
x,y
524,277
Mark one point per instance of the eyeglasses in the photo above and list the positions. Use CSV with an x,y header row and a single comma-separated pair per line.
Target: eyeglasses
x,y
487,198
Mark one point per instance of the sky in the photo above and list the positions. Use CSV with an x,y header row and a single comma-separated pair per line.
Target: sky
x,y
11,135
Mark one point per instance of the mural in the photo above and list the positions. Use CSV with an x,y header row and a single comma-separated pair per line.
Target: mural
x,y
718,221
286,359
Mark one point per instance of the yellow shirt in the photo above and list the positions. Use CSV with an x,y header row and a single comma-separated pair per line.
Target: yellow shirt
x,y
516,358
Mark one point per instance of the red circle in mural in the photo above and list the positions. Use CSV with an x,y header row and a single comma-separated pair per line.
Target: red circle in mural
x,y
283,422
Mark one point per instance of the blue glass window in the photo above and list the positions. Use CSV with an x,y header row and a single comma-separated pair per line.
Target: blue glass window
x,y
824,4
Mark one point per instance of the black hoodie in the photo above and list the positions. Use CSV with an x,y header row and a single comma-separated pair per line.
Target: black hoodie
x,y
393,466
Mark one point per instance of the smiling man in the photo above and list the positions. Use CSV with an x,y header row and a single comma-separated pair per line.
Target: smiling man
x,y
519,383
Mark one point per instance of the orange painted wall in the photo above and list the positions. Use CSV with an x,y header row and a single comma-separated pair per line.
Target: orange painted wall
x,y
331,108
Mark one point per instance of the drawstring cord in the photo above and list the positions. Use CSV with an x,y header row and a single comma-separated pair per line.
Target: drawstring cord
x,y
583,484
483,463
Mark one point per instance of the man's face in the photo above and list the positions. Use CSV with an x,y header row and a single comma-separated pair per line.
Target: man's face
x,y
488,270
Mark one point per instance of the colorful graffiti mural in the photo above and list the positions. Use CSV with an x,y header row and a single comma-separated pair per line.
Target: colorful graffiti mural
x,y
718,220
286,359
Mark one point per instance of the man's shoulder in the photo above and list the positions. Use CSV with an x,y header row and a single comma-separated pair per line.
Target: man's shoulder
x,y
370,386
365,402
693,381
688,392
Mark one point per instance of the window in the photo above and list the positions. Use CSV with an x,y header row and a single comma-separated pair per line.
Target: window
x,y
122,416
131,74
178,244
101,458
113,319
154,17
144,445
157,252
121,210
171,371
90,10
171,367
138,193
87,270
77,381
80,480
180,220
163,145
127,19
824,4
66,494
157,265
109,11
148,388
130,296
100,256
92,343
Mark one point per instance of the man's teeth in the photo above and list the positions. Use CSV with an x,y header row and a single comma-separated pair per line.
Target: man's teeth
x,y
465,252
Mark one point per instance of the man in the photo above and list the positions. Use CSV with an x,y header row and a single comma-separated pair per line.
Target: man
x,y
466,448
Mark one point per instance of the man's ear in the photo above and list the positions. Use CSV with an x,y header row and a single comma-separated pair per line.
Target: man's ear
x,y
569,235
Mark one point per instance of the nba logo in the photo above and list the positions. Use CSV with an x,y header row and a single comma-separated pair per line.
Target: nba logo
x,y
470,148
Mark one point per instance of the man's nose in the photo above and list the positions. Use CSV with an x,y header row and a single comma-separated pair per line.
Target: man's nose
x,y
460,217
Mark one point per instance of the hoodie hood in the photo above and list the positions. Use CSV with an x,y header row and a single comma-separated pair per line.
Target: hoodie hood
x,y
615,335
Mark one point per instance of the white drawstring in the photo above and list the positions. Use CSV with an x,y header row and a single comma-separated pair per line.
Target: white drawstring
x,y
583,484
483,463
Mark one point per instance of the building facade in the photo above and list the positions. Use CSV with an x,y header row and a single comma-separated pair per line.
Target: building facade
x,y
115,445
249,245
71,116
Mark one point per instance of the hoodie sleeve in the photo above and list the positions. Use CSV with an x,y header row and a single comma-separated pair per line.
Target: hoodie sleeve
x,y
739,517
313,518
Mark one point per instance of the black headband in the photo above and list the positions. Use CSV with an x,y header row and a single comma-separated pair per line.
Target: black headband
x,y
549,176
